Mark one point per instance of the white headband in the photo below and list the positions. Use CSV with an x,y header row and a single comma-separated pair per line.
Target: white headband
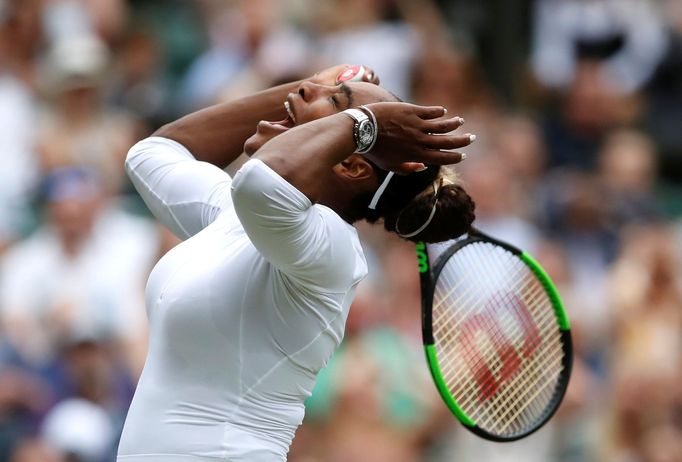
x,y
377,195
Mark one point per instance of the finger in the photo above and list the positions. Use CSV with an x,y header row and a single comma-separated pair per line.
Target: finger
x,y
435,157
409,167
430,112
444,142
393,165
442,125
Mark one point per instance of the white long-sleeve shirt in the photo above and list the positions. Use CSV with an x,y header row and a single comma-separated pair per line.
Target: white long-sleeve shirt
x,y
243,314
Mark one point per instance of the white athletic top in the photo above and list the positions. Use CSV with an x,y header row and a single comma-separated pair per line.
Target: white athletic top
x,y
243,314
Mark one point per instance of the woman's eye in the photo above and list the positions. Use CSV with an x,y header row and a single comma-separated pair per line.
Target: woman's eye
x,y
334,101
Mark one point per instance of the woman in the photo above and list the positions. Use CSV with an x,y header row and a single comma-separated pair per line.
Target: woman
x,y
248,309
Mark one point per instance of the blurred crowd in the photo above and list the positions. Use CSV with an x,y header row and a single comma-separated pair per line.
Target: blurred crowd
x,y
577,105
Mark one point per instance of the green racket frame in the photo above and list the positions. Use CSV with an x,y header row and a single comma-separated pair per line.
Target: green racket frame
x,y
428,275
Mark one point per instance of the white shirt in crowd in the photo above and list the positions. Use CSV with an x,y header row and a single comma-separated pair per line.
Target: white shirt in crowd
x,y
48,297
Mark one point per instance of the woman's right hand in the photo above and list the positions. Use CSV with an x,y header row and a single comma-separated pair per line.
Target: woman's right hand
x,y
411,136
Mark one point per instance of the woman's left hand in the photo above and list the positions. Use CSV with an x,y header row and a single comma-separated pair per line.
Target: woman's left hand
x,y
329,75
411,136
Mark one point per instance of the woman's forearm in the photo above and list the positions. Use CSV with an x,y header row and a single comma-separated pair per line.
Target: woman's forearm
x,y
217,134
304,155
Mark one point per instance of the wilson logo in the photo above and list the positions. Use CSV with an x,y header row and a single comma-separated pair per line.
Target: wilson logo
x,y
487,322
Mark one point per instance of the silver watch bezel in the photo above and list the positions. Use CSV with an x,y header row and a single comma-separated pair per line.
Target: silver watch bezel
x,y
364,130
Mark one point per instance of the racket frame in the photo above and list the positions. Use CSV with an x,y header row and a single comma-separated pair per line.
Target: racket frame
x,y
428,276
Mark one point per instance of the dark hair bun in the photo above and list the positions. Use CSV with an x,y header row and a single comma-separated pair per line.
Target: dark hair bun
x,y
453,217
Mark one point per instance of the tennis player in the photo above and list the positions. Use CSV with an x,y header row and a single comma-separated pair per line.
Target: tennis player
x,y
246,311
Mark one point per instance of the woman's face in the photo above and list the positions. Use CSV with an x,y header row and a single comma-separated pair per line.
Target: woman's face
x,y
311,102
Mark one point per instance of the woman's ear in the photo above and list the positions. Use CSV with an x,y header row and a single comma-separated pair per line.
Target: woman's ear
x,y
355,167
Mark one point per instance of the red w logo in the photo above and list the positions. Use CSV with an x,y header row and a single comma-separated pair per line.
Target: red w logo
x,y
487,322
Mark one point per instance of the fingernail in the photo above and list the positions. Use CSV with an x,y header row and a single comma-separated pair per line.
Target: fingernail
x,y
445,110
421,169
464,156
472,138
461,121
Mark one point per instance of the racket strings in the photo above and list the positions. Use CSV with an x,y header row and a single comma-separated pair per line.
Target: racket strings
x,y
469,285
532,389
470,294
453,352
548,318
498,402
494,404
495,365
511,399
454,326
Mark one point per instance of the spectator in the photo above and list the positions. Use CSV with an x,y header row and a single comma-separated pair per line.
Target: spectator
x,y
80,275
78,129
646,298
627,169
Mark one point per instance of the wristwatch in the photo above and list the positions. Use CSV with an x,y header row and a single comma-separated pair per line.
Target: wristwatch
x,y
364,130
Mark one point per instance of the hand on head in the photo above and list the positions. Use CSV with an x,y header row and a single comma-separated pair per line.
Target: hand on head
x,y
410,136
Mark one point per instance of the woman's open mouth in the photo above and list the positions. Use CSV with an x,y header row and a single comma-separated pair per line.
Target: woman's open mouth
x,y
290,111
289,121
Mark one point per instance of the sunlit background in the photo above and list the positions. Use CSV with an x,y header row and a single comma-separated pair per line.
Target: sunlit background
x,y
577,105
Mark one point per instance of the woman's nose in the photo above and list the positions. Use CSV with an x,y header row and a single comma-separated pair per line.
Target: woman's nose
x,y
309,91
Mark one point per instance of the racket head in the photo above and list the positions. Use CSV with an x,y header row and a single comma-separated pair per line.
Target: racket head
x,y
496,336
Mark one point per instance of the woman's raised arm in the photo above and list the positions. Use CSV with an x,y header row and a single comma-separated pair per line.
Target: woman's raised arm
x,y
217,134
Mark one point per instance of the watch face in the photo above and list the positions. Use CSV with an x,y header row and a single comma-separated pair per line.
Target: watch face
x,y
365,134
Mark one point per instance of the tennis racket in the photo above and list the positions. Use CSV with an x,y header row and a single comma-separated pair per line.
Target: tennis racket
x,y
496,336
